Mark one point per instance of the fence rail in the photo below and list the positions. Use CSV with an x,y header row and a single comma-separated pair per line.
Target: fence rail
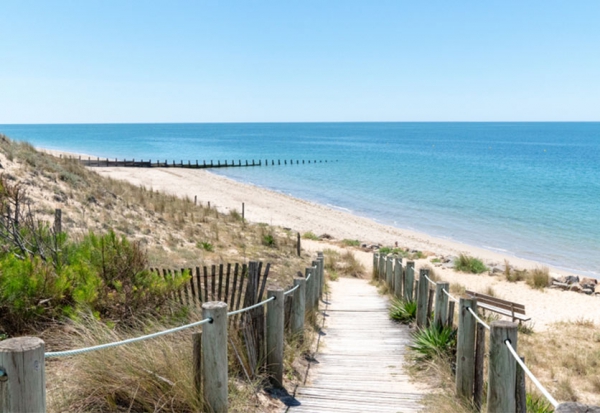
x,y
22,365
506,372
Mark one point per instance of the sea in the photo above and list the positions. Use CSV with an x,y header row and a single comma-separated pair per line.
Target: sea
x,y
530,190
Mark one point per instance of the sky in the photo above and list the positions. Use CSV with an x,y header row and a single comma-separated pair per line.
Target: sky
x,y
120,61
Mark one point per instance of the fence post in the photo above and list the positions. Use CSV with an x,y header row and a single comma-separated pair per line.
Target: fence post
x,y
479,355
310,302
298,244
315,286
197,362
430,296
389,271
398,278
244,213
22,375
441,304
410,280
422,298
521,390
465,349
58,221
321,260
375,265
381,270
275,324
502,370
450,322
298,307
214,356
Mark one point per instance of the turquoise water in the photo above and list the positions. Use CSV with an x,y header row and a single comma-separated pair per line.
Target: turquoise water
x,y
528,189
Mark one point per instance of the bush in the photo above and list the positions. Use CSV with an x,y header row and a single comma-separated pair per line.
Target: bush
x,y
403,311
434,341
310,235
466,263
206,246
268,240
351,242
536,404
539,278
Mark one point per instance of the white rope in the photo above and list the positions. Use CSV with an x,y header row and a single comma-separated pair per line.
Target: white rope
x,y
477,318
308,278
292,290
123,342
530,374
449,295
429,279
241,310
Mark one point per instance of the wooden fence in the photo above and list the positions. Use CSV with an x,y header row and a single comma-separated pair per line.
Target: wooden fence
x,y
22,360
435,305
106,163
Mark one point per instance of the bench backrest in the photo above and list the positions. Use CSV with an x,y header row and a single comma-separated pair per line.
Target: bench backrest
x,y
497,302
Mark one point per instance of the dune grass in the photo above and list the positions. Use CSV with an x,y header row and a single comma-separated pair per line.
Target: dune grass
x,y
466,263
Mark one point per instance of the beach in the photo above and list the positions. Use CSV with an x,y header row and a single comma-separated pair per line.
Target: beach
x,y
274,208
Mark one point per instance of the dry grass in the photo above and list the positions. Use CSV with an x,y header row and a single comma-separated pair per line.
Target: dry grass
x,y
566,359
539,278
342,264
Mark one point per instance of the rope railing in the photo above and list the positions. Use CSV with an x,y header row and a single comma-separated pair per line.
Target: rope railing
x,y
450,295
479,320
535,381
429,279
75,352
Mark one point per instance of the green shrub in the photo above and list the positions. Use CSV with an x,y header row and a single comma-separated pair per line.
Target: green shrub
x,y
536,404
310,235
466,263
403,311
351,242
434,341
268,240
384,250
206,246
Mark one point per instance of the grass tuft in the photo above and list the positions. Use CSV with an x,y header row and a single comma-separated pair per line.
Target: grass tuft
x,y
403,311
539,278
469,264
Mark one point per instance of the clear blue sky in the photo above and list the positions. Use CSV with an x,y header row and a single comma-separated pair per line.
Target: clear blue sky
x,y
85,61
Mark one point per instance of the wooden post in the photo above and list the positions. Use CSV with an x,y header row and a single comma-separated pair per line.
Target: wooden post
x,y
310,301
22,375
451,305
196,198
321,260
465,349
243,211
430,295
214,356
375,265
398,278
389,271
502,369
197,363
422,298
441,304
315,286
298,307
521,391
381,270
57,221
410,281
298,244
479,355
275,323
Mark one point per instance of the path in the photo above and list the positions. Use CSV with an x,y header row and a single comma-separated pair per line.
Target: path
x,y
360,357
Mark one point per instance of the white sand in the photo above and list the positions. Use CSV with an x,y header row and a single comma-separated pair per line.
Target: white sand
x,y
274,208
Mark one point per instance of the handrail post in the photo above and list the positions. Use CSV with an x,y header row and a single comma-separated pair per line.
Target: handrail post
x,y
465,349
299,307
381,271
315,285
389,271
375,265
410,281
275,325
398,278
197,362
310,302
422,298
502,370
321,269
441,304
22,379
214,356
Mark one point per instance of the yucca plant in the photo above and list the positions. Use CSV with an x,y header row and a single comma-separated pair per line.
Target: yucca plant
x,y
433,340
403,311
536,404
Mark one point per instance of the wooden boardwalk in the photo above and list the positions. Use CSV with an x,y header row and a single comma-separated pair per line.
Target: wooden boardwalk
x,y
359,362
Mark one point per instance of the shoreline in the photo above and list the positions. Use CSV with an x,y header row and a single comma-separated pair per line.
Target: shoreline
x,y
277,208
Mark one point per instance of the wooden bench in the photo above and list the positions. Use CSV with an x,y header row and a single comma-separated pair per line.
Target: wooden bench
x,y
507,308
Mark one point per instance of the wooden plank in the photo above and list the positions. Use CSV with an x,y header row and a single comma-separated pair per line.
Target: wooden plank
x,y
507,305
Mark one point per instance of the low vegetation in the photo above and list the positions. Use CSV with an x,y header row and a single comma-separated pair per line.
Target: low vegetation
x,y
403,311
343,264
539,278
465,263
433,341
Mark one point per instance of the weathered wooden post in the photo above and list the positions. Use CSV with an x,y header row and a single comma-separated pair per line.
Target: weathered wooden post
x,y
502,369
389,273
195,199
381,270
441,304
479,356
298,307
298,244
521,389
410,280
310,301
465,349
398,278
22,375
275,325
197,362
375,265
57,221
422,298
321,269
214,356
430,295
243,211
451,306
315,286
